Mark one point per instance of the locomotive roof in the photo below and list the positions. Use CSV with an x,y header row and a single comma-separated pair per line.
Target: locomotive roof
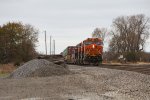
x,y
89,39
93,39
70,46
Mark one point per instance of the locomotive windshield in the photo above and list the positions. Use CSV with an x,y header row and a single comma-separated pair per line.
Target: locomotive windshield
x,y
99,43
88,42
93,42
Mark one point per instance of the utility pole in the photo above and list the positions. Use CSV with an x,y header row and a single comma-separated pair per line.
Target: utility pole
x,y
50,44
45,44
54,46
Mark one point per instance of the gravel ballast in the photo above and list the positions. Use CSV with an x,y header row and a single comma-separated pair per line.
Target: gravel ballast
x,y
88,83
38,68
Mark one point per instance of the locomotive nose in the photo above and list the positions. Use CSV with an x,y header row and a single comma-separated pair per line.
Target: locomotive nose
x,y
93,50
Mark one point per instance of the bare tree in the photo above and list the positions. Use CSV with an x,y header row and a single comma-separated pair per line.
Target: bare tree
x,y
100,33
130,33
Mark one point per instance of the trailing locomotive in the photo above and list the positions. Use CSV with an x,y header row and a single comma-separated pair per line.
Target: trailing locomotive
x,y
88,51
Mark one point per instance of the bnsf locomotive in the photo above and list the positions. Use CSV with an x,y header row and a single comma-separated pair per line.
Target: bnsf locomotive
x,y
88,51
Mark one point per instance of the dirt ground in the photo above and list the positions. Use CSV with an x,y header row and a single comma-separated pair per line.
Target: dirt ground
x,y
86,83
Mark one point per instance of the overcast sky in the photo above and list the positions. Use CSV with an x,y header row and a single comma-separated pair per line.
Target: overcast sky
x,y
69,21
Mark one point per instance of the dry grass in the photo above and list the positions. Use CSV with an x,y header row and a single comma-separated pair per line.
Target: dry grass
x,y
6,68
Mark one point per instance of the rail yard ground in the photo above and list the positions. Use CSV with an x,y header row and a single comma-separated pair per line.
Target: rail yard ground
x,y
105,82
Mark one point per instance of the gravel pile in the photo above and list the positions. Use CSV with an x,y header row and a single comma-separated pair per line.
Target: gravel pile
x,y
38,68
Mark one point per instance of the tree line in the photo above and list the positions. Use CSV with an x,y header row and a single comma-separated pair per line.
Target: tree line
x,y
128,37
17,42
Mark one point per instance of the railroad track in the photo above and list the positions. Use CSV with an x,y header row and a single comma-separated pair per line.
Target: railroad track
x,y
142,68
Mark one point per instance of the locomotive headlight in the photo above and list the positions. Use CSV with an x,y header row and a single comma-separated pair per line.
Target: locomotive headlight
x,y
93,46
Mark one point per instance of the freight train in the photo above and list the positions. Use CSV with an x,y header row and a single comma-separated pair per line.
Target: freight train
x,y
88,51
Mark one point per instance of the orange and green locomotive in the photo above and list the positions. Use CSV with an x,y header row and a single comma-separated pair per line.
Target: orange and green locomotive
x,y
88,51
